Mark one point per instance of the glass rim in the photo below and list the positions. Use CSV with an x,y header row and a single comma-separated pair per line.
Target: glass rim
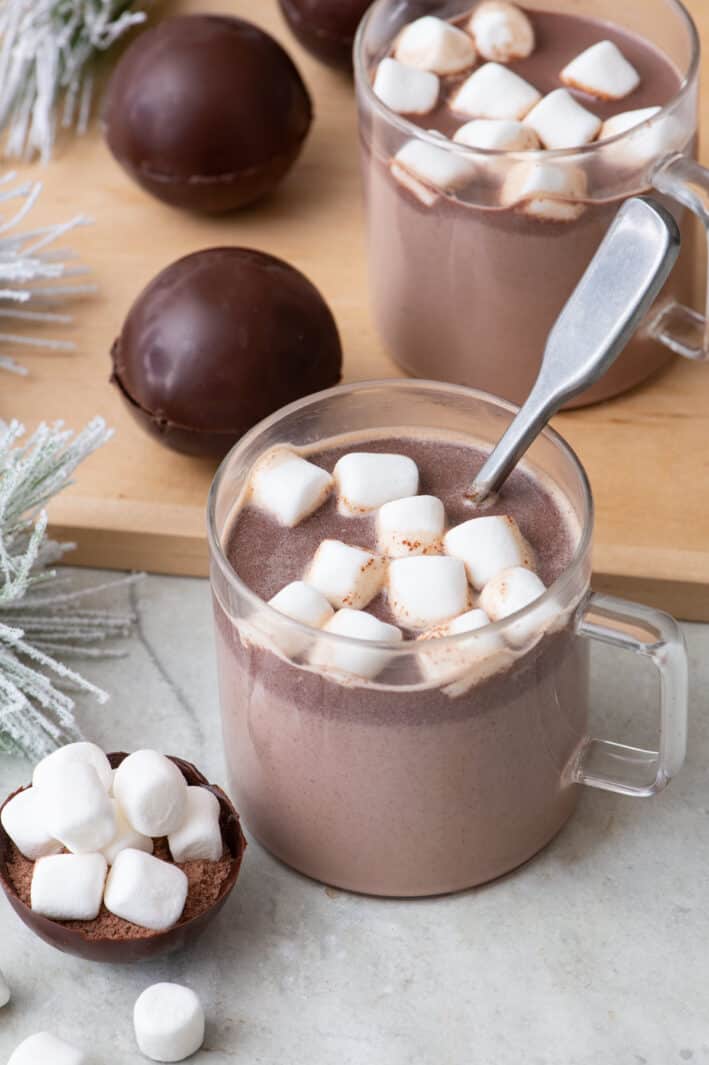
x,y
364,84
396,648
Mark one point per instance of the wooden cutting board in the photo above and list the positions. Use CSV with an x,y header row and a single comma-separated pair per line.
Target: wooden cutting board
x,y
139,506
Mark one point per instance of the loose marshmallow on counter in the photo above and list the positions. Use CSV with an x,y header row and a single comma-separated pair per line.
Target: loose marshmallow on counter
x,y
561,122
23,820
89,753
126,836
411,526
152,793
510,591
488,545
77,809
493,91
548,191
199,837
46,1049
497,134
345,575
349,659
426,590
146,891
433,44
443,168
289,487
444,662
367,480
68,887
168,1020
502,31
4,990
601,71
406,90
303,603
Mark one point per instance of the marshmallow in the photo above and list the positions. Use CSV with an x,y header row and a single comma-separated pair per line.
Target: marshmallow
x,y
126,836
289,487
432,44
497,134
412,526
561,122
626,120
169,1022
502,31
486,546
152,792
347,576
443,168
76,808
45,1049
366,481
406,90
68,887
647,142
510,591
349,659
4,990
602,71
302,603
445,662
85,752
427,590
23,820
548,191
493,91
425,195
146,891
200,835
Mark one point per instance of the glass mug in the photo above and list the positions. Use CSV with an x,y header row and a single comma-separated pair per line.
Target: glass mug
x,y
466,291
412,787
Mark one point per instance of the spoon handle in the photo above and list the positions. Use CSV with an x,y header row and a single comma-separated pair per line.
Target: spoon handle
x,y
610,301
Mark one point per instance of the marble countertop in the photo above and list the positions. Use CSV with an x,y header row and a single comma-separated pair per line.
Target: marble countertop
x,y
593,954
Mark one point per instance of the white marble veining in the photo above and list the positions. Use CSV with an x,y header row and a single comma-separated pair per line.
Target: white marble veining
x,y
593,954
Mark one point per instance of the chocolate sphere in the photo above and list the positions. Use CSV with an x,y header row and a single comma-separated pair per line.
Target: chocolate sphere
x,y
219,340
326,28
206,112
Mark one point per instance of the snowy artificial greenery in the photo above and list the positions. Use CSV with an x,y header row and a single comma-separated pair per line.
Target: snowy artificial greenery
x,y
43,621
46,79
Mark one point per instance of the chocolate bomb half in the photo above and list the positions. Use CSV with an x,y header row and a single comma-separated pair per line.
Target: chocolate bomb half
x,y
206,112
326,28
218,341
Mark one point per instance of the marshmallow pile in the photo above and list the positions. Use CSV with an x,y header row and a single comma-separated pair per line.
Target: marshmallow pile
x,y
437,581
90,832
504,112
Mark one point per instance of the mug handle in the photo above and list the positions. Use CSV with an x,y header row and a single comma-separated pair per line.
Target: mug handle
x,y
657,636
680,328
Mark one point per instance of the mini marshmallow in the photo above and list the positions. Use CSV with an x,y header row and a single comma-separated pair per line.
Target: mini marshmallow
x,y
168,1020
488,545
76,808
4,990
561,122
406,90
289,487
23,820
146,891
502,31
426,590
444,663
366,481
126,836
444,169
497,134
549,191
45,1049
493,91
646,143
303,603
433,44
68,887
89,753
601,71
423,193
626,120
345,575
510,591
412,526
200,835
349,659
152,793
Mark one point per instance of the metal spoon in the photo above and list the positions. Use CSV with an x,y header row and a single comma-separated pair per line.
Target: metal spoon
x,y
610,301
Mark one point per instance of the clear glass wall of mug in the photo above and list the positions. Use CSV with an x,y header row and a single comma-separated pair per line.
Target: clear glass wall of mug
x,y
465,289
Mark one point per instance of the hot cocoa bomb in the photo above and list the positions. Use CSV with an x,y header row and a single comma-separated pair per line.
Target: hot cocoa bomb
x,y
206,112
219,340
326,28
